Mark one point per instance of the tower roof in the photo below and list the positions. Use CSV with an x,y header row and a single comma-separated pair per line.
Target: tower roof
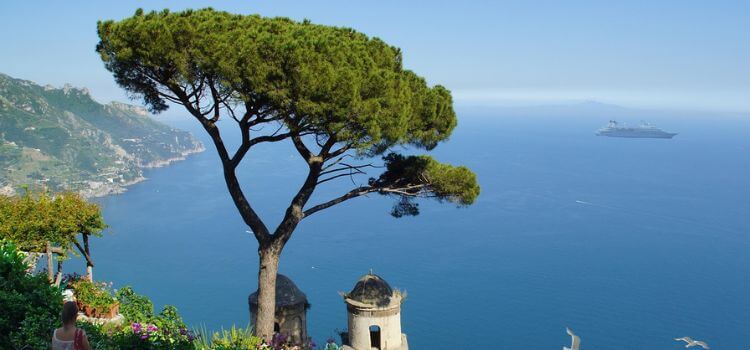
x,y
287,293
371,289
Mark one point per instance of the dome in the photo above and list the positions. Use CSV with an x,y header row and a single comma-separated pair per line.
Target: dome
x,y
371,289
287,293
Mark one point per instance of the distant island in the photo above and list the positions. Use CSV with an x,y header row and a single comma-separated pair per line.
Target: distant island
x,y
62,139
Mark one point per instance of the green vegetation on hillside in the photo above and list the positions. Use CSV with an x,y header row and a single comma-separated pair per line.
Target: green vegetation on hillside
x,y
63,139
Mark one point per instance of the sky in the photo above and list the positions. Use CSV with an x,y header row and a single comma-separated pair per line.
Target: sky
x,y
676,54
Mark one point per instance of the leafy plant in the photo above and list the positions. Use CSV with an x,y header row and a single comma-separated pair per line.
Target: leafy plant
x,y
134,307
331,345
95,295
232,339
30,306
142,329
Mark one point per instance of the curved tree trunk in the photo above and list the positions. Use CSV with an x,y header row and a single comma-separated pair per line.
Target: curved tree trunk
x,y
269,267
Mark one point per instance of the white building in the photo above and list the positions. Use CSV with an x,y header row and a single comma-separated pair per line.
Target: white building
x,y
374,316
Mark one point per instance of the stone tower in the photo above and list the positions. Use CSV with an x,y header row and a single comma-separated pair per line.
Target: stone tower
x,y
374,316
291,310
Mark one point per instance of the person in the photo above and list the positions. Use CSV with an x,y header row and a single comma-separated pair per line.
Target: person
x,y
69,337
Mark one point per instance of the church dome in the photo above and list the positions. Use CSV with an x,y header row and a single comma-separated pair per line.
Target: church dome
x,y
371,289
287,293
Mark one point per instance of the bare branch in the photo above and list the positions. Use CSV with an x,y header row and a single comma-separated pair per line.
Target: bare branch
x,y
249,216
245,146
338,152
216,98
356,168
339,160
83,252
349,195
350,174
408,191
301,147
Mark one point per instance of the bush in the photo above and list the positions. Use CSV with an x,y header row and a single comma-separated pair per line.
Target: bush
x,y
142,330
232,339
31,307
133,306
95,296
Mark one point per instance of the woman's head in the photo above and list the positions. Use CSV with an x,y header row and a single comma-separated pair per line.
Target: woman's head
x,y
70,312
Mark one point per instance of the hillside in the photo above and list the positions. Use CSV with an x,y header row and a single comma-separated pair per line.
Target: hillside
x,y
63,139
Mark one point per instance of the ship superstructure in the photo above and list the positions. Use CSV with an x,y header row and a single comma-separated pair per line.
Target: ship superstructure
x,y
644,130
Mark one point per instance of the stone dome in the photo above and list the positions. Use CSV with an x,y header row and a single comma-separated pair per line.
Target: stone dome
x,y
371,289
287,293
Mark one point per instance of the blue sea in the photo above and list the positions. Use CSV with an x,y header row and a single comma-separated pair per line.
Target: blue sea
x,y
629,242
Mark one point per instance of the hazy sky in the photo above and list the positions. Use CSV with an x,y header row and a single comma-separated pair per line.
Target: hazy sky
x,y
679,54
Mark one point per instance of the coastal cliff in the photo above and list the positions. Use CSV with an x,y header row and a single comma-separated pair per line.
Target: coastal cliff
x,y
62,139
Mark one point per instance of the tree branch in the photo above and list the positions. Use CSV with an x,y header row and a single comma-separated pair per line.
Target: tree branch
x,y
216,98
356,168
249,216
408,191
83,252
349,195
301,148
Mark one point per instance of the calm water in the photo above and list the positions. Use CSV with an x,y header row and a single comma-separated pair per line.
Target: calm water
x,y
629,242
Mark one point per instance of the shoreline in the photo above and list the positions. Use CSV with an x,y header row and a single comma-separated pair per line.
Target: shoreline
x,y
102,189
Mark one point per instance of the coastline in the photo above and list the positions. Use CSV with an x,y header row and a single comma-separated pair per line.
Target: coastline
x,y
164,162
97,189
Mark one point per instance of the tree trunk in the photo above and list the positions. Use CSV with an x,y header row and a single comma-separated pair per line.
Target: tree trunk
x,y
265,316
50,270
89,265
58,277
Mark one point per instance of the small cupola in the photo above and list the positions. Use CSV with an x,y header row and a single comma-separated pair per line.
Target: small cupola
x,y
291,310
374,316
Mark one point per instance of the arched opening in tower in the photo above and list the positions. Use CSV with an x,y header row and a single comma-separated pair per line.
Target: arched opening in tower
x,y
375,337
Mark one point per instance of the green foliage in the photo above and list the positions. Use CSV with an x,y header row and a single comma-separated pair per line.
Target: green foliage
x,y
141,329
347,93
70,139
33,219
332,346
233,339
30,306
97,296
334,81
11,260
134,307
327,83
416,176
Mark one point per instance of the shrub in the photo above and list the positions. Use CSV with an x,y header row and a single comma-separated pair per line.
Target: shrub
x,y
142,330
133,306
31,307
233,339
95,296
331,345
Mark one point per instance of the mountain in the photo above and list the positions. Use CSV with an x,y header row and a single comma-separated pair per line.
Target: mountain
x,y
61,138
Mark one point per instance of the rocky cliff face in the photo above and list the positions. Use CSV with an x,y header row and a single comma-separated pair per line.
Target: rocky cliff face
x,y
63,139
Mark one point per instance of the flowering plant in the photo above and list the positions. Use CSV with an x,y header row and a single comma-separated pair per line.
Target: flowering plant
x,y
95,298
142,329
152,333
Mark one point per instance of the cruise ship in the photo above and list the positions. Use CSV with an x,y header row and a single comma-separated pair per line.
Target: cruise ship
x,y
645,130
